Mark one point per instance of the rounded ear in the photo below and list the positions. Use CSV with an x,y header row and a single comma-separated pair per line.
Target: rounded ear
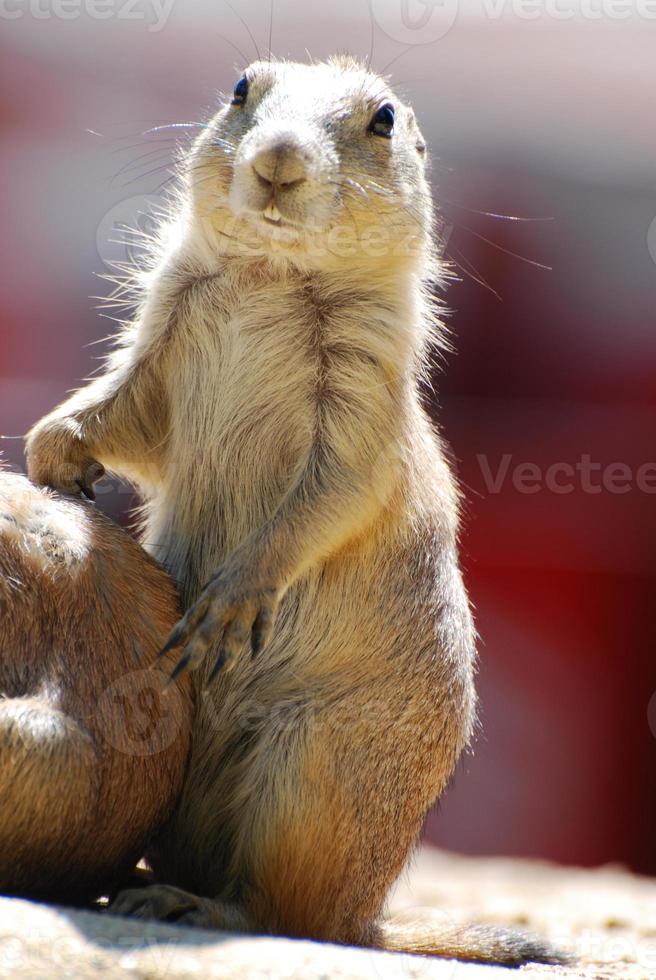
x,y
420,142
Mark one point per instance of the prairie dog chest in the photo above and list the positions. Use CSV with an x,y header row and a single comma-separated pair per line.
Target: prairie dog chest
x,y
243,377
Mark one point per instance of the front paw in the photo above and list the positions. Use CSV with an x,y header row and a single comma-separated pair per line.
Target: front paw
x,y
58,458
229,614
165,903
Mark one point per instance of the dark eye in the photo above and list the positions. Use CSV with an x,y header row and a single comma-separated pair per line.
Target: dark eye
x,y
382,123
240,91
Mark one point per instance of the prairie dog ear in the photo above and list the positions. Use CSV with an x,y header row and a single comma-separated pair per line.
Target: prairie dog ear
x,y
415,132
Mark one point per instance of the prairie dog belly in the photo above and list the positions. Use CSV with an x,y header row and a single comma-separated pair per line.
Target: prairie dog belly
x,y
345,645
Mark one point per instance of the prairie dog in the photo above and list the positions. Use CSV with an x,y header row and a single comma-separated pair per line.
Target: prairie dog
x,y
91,757
265,400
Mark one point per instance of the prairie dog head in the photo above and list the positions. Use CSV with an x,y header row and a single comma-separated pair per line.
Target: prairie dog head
x,y
319,162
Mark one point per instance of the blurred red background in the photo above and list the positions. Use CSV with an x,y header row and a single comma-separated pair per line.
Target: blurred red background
x,y
549,119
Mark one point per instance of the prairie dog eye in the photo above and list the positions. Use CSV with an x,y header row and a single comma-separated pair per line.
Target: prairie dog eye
x,y
382,122
240,91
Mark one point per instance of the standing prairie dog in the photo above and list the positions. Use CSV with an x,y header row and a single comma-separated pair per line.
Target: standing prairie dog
x,y
91,755
265,400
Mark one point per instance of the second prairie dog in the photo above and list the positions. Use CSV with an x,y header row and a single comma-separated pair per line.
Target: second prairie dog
x,y
92,755
265,400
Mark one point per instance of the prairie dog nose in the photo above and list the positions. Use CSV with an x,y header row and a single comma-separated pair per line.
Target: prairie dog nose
x,y
281,166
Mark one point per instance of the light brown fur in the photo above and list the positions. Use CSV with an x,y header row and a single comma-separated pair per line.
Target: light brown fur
x,y
266,400
91,756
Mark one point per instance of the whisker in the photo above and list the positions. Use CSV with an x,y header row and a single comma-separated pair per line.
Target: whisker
x,y
491,214
270,27
348,184
169,180
372,25
241,54
248,30
472,272
171,141
136,122
507,251
201,181
178,125
354,184
135,164
372,185
148,173
395,59
225,144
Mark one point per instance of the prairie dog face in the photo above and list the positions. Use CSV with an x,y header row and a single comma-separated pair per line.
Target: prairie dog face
x,y
311,157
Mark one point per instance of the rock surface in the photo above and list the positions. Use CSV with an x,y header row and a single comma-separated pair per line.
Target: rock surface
x,y
608,916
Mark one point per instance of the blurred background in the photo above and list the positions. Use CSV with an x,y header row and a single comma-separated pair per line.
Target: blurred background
x,y
540,110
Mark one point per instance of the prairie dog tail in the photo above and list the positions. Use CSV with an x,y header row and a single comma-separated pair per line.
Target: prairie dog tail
x,y
473,943
48,786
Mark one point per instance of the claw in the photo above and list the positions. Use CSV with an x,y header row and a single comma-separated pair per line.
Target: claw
x,y
86,489
256,640
93,473
175,639
261,631
179,668
220,661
